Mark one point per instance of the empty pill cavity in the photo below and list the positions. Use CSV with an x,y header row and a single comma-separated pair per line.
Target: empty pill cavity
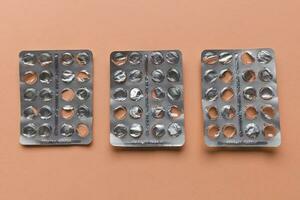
x,y
174,130
136,94
30,112
210,76
250,112
225,58
158,130
229,131
157,58
212,113
158,93
210,58
269,131
45,77
172,57
213,131
226,76
82,58
67,94
119,76
211,94
135,75
30,77
67,130
174,111
247,58
268,111
136,130
30,94
83,94
83,111
120,94
250,93
119,58
228,112
173,75
120,130
67,112
120,113
252,130
45,130
83,76
46,94
45,59
135,112
174,93
67,76
158,112
29,130
264,56
227,94
67,59
45,112
158,76
29,59
265,75
266,93
82,130
135,58
249,76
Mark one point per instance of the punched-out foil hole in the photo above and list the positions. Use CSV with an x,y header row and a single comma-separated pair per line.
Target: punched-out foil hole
x,y
82,130
82,58
30,77
229,131
119,58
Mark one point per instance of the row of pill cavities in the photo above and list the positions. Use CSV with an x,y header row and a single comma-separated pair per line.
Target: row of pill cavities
x,y
157,94
45,59
136,130
45,77
135,58
45,130
250,112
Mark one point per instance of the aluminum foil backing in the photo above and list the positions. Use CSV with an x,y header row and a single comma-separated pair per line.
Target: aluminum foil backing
x,y
239,98
146,99
56,95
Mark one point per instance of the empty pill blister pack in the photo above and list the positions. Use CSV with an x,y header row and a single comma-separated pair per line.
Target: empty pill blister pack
x,y
56,97
239,98
146,99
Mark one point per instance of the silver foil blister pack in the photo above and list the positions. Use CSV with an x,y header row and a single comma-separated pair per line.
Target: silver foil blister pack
x,y
146,99
239,98
56,95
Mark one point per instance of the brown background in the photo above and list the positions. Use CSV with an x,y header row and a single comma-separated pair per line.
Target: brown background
x,y
195,172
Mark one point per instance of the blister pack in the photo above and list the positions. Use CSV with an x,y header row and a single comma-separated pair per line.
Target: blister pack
x,y
146,99
239,98
56,95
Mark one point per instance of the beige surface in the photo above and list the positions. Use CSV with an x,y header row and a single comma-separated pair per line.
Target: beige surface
x,y
99,171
